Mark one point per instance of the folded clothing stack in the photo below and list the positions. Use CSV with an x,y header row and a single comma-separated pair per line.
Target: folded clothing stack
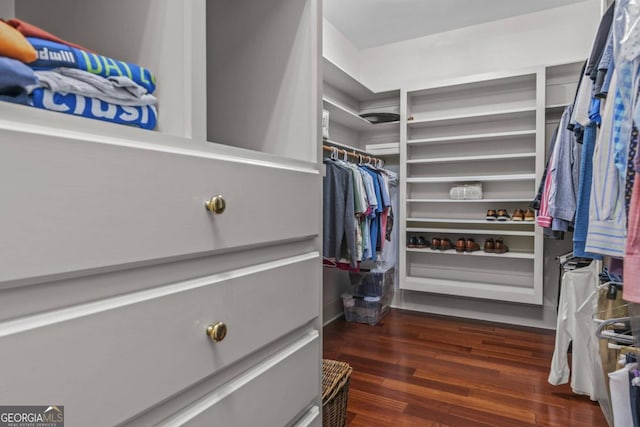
x,y
65,77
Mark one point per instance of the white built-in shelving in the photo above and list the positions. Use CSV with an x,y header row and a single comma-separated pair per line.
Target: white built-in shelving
x,y
488,131
491,130
345,99
343,115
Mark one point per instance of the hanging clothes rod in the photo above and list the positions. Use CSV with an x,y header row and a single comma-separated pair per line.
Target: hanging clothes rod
x,y
603,333
354,154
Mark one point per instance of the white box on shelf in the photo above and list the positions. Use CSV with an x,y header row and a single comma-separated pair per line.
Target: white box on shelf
x,y
466,191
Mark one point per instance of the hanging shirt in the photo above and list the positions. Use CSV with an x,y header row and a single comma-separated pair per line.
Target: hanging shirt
x,y
366,223
544,219
631,290
375,215
581,227
384,185
620,396
562,197
605,69
607,220
338,212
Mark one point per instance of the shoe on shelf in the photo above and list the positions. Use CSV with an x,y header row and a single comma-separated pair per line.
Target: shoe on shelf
x,y
461,245
503,215
445,244
422,243
413,242
489,246
491,215
500,247
530,215
435,243
472,246
518,215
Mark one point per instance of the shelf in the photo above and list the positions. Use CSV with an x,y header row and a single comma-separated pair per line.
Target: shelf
x,y
351,119
384,149
522,294
344,116
518,255
344,82
484,178
474,158
470,221
523,200
462,231
495,136
528,107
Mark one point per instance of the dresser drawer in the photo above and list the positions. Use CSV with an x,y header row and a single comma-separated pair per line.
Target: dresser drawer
x,y
130,352
71,205
271,394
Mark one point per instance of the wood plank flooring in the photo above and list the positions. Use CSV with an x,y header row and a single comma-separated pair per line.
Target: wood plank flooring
x,y
414,369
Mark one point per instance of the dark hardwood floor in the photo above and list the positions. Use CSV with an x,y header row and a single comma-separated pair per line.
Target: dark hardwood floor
x,y
414,369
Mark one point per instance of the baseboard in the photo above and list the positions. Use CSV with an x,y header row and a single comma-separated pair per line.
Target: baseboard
x,y
332,311
533,316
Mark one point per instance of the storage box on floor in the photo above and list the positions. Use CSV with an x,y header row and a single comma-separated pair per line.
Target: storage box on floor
x,y
371,293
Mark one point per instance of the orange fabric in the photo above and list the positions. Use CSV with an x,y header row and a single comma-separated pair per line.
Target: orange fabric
x,y
30,30
14,45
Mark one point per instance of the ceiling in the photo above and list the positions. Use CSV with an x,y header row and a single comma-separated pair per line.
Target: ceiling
x,y
369,23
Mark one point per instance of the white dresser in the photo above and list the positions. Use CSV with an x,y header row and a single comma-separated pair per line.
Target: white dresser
x,y
126,255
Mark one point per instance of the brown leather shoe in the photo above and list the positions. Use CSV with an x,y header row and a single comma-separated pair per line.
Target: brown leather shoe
x,y
472,246
529,215
503,215
461,245
518,215
500,247
491,215
435,243
445,244
489,246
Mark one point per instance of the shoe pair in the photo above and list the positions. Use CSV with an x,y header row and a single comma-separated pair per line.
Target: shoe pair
x,y
500,215
495,247
518,215
442,244
466,245
417,242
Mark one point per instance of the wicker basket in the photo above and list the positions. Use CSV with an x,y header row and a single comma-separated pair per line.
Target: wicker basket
x,y
335,392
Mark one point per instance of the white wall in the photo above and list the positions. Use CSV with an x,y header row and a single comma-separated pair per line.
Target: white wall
x,y
339,50
549,37
7,10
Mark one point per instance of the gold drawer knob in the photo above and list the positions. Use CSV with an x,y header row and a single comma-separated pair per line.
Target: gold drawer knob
x,y
216,204
217,331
